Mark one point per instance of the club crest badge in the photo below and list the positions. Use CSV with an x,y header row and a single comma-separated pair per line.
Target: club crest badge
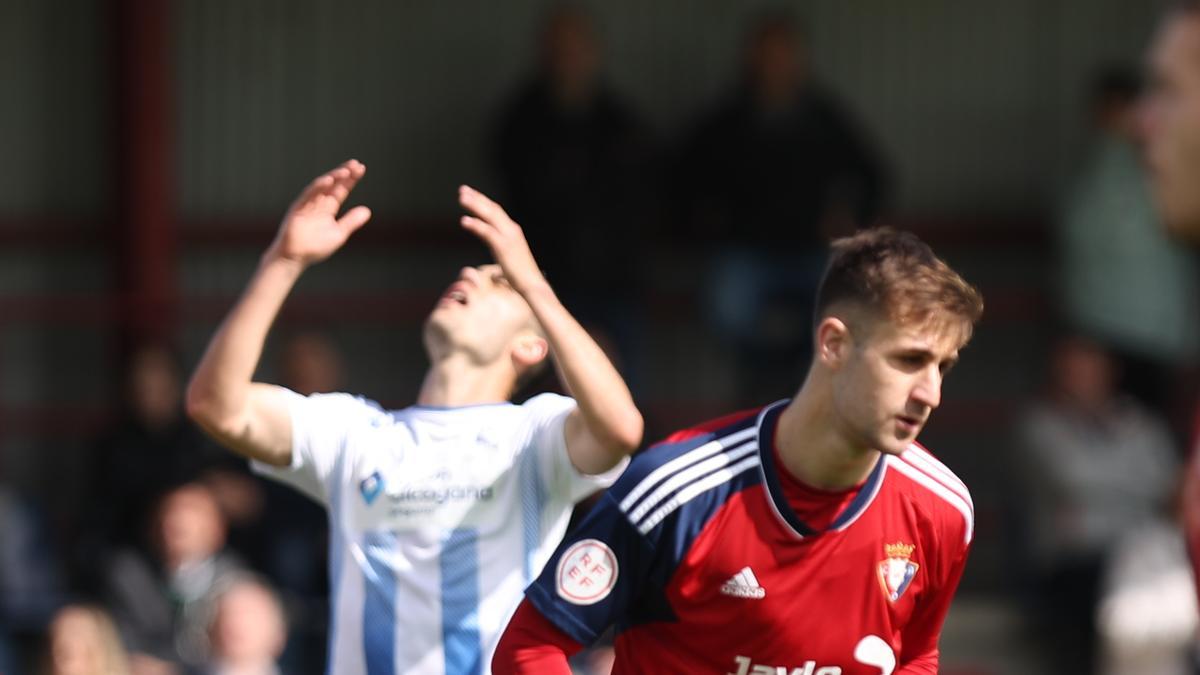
x,y
896,572
370,487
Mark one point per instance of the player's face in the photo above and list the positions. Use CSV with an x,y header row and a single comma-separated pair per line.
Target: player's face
x,y
891,381
1171,124
481,314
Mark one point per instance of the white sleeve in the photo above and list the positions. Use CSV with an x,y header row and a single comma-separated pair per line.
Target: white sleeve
x,y
322,425
546,417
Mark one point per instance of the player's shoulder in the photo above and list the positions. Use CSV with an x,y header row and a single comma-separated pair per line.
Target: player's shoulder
x,y
686,448
929,481
541,413
347,407
546,403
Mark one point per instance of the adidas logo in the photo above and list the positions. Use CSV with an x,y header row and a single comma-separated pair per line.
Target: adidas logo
x,y
744,585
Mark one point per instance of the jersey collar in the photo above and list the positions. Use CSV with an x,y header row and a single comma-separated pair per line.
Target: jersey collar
x,y
768,418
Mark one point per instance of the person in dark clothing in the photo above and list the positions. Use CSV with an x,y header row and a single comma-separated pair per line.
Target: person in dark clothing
x,y
775,170
152,444
779,161
574,162
164,602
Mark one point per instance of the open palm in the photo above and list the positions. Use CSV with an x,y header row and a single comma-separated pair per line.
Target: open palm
x,y
311,230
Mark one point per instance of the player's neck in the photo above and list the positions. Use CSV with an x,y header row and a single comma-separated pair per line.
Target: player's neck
x,y
454,381
814,450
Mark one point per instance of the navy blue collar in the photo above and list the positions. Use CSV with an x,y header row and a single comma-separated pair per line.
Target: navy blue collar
x,y
767,421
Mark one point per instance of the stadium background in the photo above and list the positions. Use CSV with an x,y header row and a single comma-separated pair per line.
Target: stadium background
x,y
149,148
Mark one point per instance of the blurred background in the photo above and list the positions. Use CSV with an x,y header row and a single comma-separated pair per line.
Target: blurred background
x,y
677,167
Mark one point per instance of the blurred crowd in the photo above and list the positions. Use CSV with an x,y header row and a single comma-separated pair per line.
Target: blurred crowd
x,y
175,559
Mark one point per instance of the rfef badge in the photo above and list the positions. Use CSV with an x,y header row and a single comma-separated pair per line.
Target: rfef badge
x,y
587,572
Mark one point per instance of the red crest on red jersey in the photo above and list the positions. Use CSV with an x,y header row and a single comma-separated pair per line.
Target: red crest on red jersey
x,y
896,572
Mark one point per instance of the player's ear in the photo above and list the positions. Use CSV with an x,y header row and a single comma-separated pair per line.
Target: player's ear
x,y
529,350
833,342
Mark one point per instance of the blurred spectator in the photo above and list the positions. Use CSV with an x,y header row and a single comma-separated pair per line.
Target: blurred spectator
x,y
82,640
292,545
31,584
767,177
1123,280
164,604
1147,616
573,158
311,363
1098,464
8,660
152,444
248,630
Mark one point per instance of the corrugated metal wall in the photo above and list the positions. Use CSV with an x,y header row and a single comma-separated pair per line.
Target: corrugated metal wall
x,y
978,104
53,108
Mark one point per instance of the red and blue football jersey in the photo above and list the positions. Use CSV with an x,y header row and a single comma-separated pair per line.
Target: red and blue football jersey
x,y
699,559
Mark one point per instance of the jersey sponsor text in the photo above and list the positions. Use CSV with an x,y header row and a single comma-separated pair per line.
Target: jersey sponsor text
x,y
746,666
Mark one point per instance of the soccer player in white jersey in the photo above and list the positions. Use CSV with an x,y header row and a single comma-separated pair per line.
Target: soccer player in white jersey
x,y
441,513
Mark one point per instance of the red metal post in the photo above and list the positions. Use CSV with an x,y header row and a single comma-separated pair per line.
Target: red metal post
x,y
144,225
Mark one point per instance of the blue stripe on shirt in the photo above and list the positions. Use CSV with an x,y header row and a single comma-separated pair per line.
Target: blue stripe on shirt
x,y
460,603
533,502
379,604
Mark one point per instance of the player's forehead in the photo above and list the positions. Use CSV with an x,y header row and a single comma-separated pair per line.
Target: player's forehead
x,y
941,337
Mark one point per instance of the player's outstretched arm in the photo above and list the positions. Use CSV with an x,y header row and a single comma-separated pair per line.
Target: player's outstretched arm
x,y
606,426
250,418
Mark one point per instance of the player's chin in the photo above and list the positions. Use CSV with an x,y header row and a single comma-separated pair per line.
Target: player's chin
x,y
897,442
439,324
442,312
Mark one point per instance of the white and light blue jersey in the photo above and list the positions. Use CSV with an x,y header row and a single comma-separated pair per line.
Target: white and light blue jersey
x,y
439,518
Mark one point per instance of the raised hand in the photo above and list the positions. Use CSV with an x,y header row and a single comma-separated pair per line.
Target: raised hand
x,y
489,222
311,231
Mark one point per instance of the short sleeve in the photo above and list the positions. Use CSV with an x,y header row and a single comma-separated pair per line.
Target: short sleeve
x,y
596,575
322,426
546,418
611,570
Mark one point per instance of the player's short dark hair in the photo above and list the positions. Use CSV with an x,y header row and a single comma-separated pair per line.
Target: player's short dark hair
x,y
894,274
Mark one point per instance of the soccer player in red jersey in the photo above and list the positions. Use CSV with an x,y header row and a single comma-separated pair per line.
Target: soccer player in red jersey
x,y
810,537
1171,125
